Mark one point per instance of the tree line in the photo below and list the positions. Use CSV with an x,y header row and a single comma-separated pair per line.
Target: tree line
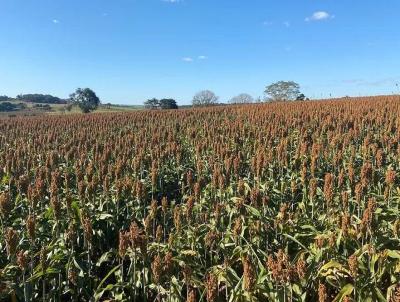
x,y
279,91
160,104
40,98
87,100
34,98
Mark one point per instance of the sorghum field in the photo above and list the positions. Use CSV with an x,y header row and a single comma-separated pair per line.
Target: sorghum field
x,y
272,202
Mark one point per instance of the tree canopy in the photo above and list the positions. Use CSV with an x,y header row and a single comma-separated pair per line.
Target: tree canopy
x,y
168,104
7,106
242,98
152,103
160,104
204,98
283,91
4,98
40,98
86,99
302,97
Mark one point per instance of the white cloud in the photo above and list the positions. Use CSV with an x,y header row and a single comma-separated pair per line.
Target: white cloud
x,y
55,21
172,1
319,16
286,23
202,57
187,59
267,23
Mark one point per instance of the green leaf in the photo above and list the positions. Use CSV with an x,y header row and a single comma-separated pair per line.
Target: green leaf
x,y
76,210
345,291
98,295
379,295
326,269
253,211
40,273
104,216
295,240
393,254
104,258
107,276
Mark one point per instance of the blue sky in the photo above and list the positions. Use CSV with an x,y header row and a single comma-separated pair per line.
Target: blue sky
x,y
131,50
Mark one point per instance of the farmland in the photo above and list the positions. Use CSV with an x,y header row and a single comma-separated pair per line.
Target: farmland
x,y
286,201
35,109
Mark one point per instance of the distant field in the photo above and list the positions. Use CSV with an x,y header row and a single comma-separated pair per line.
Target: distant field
x,y
61,109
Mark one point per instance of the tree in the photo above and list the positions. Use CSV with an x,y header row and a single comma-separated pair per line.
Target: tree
x,y
283,91
242,98
4,98
168,104
152,104
302,97
204,98
85,99
7,106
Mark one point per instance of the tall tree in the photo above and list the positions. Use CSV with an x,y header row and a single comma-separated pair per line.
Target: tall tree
x,y
302,97
242,98
168,104
204,98
283,91
152,103
86,99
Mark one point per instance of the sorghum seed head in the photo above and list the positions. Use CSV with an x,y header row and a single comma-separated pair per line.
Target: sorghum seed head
x,y
22,260
123,244
353,265
322,294
211,285
30,227
159,233
157,268
11,238
5,204
249,273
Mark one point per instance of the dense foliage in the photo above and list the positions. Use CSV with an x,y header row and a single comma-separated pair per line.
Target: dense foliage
x,y
40,98
160,104
272,202
86,99
284,91
4,98
204,98
242,98
7,106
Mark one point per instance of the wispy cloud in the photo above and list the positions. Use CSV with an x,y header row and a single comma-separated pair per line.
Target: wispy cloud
x,y
374,83
172,1
55,21
267,23
191,59
319,16
286,23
